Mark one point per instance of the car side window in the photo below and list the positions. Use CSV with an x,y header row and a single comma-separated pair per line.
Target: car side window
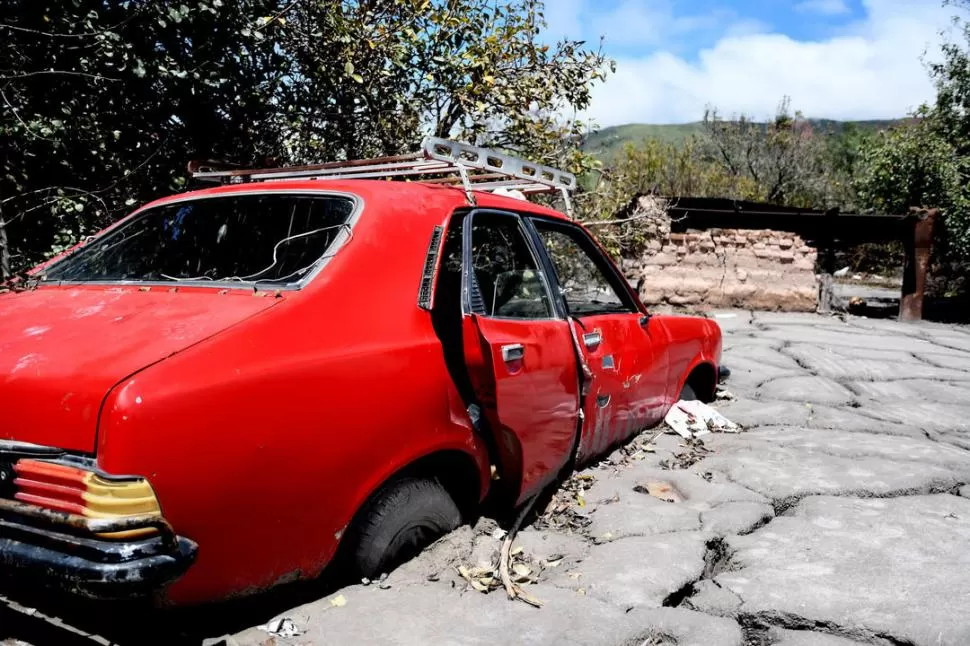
x,y
582,272
507,280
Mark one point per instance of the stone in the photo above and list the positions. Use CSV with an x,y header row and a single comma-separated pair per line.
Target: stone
x,y
685,628
639,572
782,637
786,463
684,299
713,599
736,518
895,568
819,390
662,259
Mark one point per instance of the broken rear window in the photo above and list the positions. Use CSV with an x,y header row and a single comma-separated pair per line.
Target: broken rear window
x,y
271,238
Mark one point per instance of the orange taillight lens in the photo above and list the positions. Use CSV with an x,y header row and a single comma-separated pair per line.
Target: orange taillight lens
x,y
73,490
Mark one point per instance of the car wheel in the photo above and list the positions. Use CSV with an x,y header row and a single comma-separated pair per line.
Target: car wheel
x,y
688,394
404,517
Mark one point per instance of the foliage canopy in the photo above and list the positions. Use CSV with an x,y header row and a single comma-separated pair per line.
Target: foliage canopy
x,y
104,101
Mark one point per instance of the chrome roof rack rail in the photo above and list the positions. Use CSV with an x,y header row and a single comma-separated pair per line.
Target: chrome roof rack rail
x,y
440,161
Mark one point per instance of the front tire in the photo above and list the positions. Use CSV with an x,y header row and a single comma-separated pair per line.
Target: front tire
x,y
688,394
405,516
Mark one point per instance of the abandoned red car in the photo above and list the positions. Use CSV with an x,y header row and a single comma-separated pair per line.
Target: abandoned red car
x,y
214,394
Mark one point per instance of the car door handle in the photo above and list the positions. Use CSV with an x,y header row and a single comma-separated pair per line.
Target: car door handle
x,y
592,340
513,352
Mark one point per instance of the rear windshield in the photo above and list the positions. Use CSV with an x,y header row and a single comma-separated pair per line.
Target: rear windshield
x,y
276,239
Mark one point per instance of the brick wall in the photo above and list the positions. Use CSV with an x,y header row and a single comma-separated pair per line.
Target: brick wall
x,y
726,268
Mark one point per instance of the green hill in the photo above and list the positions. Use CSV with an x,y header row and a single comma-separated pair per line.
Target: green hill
x,y
607,143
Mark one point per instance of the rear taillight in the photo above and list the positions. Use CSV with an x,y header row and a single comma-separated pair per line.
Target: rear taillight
x,y
69,489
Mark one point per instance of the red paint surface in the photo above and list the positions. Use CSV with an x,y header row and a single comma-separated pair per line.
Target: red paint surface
x,y
263,424
533,403
63,348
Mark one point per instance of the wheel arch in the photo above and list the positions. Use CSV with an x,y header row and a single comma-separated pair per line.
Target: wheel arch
x,y
702,378
463,473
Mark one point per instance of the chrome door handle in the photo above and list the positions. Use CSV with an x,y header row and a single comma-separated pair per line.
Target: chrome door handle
x,y
513,352
592,340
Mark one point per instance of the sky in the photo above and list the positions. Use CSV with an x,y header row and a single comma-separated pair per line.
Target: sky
x,y
836,59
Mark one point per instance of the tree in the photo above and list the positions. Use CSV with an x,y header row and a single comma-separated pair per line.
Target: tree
x,y
105,100
914,166
783,158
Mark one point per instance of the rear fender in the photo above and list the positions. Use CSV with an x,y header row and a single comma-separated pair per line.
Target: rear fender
x,y
470,446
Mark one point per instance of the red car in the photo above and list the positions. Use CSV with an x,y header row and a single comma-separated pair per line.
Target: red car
x,y
214,394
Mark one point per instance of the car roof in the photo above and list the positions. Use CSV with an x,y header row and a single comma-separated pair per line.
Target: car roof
x,y
375,194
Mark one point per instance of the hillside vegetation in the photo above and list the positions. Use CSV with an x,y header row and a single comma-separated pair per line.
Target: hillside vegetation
x,y
608,143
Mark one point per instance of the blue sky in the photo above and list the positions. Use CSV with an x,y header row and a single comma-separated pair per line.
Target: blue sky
x,y
842,59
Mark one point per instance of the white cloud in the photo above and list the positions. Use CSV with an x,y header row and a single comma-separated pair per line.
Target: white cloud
x,y
649,23
871,69
824,7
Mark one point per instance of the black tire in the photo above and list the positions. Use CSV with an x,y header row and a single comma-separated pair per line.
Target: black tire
x,y
405,516
688,394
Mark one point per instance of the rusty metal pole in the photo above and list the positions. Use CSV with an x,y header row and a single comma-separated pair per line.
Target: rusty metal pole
x,y
919,247
4,251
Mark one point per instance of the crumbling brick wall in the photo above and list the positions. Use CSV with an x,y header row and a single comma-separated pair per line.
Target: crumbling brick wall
x,y
727,268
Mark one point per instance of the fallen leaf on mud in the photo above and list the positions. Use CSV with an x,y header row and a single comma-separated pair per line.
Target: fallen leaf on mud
x,y
661,490
339,601
563,511
522,572
696,451
518,550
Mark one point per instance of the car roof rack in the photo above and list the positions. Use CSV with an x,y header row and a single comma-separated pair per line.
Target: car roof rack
x,y
440,161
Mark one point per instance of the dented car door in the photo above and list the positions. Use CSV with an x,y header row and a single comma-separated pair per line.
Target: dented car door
x,y
519,352
625,372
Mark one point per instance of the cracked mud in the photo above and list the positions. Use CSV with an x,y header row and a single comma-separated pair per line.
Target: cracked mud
x,y
840,517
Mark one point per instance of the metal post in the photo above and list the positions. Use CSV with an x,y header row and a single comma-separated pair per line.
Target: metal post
x,y
4,251
919,247
826,245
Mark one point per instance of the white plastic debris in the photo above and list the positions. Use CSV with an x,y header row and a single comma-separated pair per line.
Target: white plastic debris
x,y
842,272
691,418
282,627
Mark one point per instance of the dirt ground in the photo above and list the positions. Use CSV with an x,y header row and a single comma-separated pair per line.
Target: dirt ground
x,y
840,516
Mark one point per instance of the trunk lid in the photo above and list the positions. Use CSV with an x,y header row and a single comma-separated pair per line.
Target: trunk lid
x,y
63,348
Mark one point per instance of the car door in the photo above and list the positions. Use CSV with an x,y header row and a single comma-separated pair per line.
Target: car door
x,y
519,352
623,392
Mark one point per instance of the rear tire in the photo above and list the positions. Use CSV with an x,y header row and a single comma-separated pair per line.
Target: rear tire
x,y
405,516
688,394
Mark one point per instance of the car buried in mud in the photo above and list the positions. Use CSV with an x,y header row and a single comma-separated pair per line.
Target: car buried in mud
x,y
222,390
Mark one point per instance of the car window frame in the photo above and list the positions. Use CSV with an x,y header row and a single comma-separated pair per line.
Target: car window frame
x,y
467,275
593,249
342,239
